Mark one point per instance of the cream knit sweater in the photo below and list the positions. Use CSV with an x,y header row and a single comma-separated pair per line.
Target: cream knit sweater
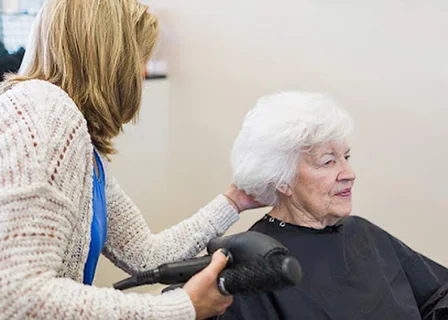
x,y
46,212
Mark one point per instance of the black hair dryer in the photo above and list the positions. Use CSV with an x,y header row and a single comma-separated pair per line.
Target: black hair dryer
x,y
257,263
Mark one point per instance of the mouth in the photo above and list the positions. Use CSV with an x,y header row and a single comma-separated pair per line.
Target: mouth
x,y
346,193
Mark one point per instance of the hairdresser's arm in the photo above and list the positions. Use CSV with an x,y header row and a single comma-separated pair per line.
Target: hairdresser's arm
x,y
131,245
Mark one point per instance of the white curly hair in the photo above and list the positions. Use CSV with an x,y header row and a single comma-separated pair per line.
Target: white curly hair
x,y
276,132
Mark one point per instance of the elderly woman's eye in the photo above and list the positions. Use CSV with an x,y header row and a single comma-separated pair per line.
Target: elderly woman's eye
x,y
328,162
347,157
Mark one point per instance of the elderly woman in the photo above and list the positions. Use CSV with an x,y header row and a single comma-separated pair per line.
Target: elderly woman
x,y
293,153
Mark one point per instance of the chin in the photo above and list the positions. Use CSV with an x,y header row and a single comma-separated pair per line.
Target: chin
x,y
344,213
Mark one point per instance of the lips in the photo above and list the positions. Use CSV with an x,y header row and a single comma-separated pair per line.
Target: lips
x,y
345,193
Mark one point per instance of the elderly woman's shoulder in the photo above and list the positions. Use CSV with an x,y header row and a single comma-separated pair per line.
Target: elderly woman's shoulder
x,y
351,220
360,222
356,219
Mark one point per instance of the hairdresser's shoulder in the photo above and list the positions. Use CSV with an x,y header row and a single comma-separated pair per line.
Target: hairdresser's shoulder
x,y
44,112
39,91
43,100
44,140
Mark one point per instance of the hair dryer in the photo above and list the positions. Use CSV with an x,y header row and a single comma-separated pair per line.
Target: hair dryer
x,y
257,263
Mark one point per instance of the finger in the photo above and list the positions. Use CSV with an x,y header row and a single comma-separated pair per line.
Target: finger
x,y
226,304
219,261
229,301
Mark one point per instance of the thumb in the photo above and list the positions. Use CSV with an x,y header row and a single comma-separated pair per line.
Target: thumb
x,y
219,261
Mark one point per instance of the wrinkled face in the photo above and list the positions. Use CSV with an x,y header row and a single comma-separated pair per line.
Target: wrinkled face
x,y
323,187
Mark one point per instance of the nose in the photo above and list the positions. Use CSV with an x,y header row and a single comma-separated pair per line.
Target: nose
x,y
347,173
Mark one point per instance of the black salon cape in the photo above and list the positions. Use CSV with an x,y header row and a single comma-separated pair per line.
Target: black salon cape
x,y
352,271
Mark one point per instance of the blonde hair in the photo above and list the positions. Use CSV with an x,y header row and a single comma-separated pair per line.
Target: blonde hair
x,y
95,50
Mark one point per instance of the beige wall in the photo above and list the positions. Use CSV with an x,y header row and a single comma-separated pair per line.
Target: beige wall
x,y
384,60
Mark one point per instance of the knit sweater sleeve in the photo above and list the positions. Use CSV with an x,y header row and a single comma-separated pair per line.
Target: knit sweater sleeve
x,y
131,246
39,214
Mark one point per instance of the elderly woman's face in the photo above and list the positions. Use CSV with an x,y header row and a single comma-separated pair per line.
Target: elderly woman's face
x,y
325,181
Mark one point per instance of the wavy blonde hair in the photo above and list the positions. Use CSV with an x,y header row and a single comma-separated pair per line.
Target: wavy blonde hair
x,y
95,50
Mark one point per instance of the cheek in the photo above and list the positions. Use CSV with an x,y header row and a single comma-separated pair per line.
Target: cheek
x,y
323,186
322,193
317,192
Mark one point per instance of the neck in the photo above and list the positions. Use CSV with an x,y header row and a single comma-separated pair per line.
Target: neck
x,y
298,216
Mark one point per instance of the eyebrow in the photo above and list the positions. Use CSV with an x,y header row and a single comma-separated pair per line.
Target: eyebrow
x,y
328,154
332,153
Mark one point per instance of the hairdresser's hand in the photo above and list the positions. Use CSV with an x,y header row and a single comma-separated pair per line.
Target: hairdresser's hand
x,y
203,290
240,200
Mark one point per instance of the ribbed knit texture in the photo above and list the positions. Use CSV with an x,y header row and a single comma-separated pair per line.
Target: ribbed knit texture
x,y
46,212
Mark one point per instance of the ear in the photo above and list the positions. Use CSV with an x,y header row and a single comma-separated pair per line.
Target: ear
x,y
285,189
